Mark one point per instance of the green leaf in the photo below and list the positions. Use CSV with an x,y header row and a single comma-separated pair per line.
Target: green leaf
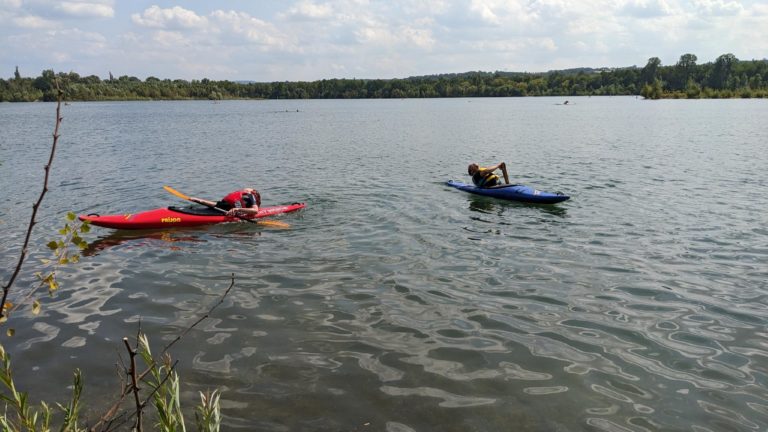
x,y
85,227
71,216
63,260
53,245
52,285
63,231
10,332
74,259
83,244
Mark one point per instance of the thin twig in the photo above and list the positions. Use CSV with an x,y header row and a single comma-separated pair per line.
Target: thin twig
x,y
36,206
134,384
137,412
109,416
157,387
115,423
129,387
112,424
208,314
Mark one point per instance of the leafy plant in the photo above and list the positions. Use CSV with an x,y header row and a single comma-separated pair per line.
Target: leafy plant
x,y
165,381
19,415
62,249
208,413
66,250
163,388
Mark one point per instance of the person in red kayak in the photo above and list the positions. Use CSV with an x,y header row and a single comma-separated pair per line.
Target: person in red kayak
x,y
243,202
483,177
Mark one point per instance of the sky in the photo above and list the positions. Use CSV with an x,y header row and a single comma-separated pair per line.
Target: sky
x,y
307,40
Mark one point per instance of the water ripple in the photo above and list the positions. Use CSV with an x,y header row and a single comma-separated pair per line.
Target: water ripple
x,y
394,302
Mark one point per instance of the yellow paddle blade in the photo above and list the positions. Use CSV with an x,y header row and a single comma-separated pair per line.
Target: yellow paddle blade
x,y
175,192
276,224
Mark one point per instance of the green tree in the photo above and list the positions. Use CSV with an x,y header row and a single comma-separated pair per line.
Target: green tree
x,y
682,71
692,89
651,70
721,71
652,91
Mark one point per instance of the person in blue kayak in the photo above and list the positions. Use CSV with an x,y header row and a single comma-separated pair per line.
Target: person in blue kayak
x,y
484,177
243,202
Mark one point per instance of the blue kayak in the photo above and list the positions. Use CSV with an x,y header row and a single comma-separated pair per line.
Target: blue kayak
x,y
515,192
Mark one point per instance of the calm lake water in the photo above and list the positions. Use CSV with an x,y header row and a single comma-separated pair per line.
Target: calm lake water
x,y
394,302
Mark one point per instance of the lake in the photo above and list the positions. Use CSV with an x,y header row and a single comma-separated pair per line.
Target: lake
x,y
395,303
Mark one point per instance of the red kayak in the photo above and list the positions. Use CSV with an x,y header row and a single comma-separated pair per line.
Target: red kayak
x,y
169,217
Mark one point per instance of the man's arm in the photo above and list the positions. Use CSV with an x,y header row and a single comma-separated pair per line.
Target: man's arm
x,y
203,202
243,211
502,166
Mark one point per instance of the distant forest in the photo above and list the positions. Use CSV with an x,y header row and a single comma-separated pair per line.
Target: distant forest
x,y
726,77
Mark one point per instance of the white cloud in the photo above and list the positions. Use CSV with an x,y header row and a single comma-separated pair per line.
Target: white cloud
x,y
433,7
220,27
309,10
9,4
50,13
421,38
169,39
376,35
514,46
173,18
33,22
403,36
70,8
760,9
547,44
593,24
718,7
94,39
92,9
58,44
485,11
313,39
250,29
502,12
647,8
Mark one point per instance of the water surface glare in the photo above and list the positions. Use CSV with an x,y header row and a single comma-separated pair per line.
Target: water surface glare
x,y
394,302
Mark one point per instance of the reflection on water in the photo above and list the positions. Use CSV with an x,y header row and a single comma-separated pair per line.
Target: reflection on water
x,y
141,238
396,303
494,206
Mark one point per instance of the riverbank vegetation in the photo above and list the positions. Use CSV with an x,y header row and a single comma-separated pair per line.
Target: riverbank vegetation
x,y
726,77
148,392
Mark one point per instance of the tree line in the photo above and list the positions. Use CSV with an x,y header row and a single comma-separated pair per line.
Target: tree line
x,y
726,77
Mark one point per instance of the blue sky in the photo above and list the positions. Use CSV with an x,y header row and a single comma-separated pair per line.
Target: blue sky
x,y
307,40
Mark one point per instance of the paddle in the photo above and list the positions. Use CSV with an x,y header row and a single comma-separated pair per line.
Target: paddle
x,y
276,224
503,167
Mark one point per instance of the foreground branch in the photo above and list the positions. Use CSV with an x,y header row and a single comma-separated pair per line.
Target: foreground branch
x,y
111,418
36,206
